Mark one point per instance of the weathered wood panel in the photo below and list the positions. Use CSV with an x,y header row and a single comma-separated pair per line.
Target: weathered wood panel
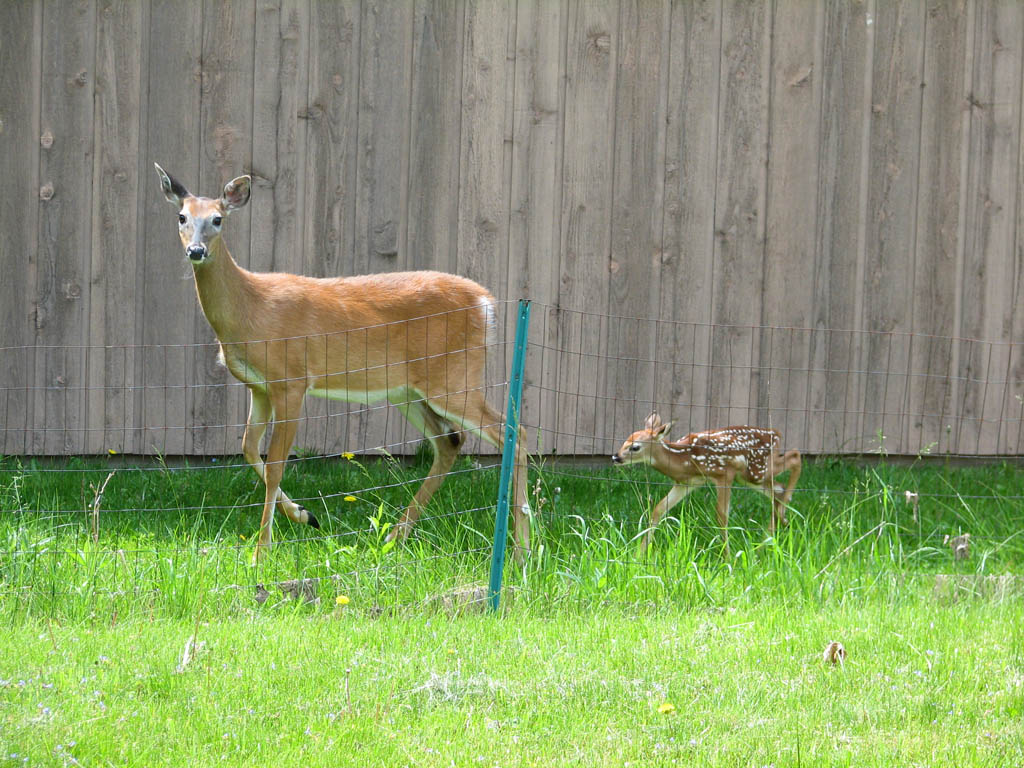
x,y
783,397
637,211
892,195
586,212
940,210
989,268
738,271
817,205
169,299
111,358
331,115
65,224
840,224
20,87
534,204
691,151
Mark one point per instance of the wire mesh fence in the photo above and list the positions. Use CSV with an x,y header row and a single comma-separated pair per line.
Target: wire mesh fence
x,y
179,515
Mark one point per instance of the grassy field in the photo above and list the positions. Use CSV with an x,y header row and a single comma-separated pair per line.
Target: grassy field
x,y
141,635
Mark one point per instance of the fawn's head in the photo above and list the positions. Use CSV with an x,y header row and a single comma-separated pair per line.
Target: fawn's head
x,y
200,218
639,445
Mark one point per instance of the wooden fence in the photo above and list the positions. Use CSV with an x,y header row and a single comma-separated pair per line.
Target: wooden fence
x,y
732,169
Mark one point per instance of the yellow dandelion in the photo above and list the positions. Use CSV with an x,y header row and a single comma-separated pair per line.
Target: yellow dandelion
x,y
666,708
350,498
348,455
452,651
341,600
241,536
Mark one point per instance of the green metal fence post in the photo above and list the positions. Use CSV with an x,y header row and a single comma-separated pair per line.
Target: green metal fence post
x,y
515,394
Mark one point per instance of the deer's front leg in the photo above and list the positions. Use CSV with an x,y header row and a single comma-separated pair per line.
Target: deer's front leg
x,y
277,454
673,497
259,417
724,495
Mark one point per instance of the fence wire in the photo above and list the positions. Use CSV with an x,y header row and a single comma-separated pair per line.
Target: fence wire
x,y
169,420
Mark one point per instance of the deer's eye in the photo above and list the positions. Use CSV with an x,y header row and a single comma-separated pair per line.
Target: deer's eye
x,y
181,218
635,447
216,221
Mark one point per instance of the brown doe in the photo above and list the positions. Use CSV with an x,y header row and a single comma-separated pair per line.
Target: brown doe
x,y
720,456
414,339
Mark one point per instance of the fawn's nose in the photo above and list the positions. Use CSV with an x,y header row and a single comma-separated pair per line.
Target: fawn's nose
x,y
196,252
616,459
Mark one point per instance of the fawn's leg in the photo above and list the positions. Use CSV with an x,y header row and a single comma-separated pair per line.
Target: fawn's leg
x,y
676,494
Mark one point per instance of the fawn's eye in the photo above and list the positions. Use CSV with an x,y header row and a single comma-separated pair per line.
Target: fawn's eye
x,y
635,447
216,221
181,218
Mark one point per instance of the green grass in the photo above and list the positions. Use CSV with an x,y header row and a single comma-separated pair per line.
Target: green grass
x,y
592,640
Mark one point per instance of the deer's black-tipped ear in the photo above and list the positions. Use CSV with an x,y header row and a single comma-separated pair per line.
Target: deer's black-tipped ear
x,y
173,189
236,193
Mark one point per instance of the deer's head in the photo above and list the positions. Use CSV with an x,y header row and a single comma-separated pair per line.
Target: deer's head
x,y
639,445
200,218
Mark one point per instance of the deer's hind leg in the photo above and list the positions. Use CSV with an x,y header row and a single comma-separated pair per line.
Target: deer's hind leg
x,y
446,443
472,412
260,415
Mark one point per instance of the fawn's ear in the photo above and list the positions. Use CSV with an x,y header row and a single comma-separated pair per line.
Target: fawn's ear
x,y
662,431
173,189
653,422
236,193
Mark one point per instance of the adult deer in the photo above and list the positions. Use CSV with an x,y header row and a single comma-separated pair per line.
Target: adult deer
x,y
749,454
414,339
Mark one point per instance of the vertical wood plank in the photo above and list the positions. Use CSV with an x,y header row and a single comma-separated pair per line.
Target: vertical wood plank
x,y
939,215
637,211
739,212
385,59
892,204
434,152
114,227
65,222
281,66
169,297
533,253
20,93
586,211
384,93
281,59
331,116
689,221
988,278
793,128
845,128
483,171
216,402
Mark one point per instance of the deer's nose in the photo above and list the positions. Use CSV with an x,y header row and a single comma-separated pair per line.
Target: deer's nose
x,y
196,252
616,459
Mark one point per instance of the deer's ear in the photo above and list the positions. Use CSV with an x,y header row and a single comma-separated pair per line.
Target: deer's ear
x,y
173,189
653,422
662,431
236,193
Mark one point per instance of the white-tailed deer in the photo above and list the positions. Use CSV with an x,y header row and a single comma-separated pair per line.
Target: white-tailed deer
x,y
720,456
414,339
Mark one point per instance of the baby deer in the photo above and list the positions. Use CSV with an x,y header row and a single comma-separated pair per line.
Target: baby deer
x,y
750,454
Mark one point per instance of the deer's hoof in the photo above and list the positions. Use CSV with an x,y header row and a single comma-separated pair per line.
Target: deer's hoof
x,y
311,519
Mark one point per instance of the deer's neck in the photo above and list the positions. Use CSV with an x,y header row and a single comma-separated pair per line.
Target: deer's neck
x,y
670,462
224,290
